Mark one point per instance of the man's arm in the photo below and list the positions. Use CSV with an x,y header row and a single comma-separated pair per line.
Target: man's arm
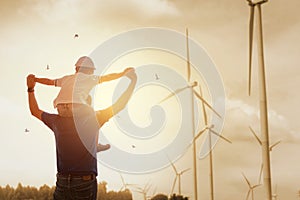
x,y
33,106
104,115
45,81
113,76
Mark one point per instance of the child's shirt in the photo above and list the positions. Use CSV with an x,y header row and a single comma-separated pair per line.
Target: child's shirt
x,y
75,88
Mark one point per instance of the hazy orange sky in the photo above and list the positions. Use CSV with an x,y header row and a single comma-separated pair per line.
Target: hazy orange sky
x,y
36,33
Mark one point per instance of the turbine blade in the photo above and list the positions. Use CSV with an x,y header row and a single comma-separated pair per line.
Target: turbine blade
x,y
251,25
182,172
174,168
200,133
217,134
188,56
248,194
273,145
203,108
205,102
122,180
174,182
246,180
172,164
255,186
256,137
173,93
147,187
260,173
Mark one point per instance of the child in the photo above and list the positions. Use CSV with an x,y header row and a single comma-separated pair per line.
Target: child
x,y
75,89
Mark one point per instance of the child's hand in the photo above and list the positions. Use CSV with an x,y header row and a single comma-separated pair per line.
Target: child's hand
x,y
131,74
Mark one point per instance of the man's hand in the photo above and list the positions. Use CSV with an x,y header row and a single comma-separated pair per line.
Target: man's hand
x,y
131,74
30,81
128,70
33,106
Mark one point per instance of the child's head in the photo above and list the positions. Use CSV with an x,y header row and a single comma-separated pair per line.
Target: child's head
x,y
85,65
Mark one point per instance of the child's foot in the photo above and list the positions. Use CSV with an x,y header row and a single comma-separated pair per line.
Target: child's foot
x,y
101,147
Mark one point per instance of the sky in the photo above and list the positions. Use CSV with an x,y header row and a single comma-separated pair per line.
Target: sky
x,y
35,34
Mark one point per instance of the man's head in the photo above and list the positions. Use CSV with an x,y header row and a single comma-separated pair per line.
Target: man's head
x,y
85,65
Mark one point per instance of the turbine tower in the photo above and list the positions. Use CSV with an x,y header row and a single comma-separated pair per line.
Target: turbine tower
x,y
262,92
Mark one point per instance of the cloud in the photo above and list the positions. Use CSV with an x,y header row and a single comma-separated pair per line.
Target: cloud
x,y
241,115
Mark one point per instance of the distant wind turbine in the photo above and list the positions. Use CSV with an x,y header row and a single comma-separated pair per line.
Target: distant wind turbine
x,y
124,184
210,131
143,191
251,187
259,141
177,177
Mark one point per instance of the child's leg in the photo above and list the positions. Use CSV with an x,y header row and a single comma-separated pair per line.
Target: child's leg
x,y
88,111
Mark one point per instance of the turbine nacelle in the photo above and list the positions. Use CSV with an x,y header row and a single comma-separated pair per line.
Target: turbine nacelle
x,y
255,2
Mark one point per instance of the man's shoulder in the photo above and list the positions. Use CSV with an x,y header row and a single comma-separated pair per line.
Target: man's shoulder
x,y
46,115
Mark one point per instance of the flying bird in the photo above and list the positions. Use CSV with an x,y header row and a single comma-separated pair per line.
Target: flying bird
x,y
26,130
47,67
76,36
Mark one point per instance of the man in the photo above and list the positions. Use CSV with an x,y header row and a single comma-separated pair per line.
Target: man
x,y
76,143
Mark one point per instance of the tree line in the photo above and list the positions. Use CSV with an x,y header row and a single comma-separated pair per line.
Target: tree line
x,y
46,193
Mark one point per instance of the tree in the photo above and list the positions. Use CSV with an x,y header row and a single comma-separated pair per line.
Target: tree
x,y
160,197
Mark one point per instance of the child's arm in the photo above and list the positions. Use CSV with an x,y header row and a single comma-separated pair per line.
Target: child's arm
x,y
45,81
110,77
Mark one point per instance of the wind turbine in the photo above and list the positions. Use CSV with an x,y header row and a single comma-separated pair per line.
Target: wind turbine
x,y
210,131
262,91
144,190
251,187
125,185
259,141
193,92
274,195
177,177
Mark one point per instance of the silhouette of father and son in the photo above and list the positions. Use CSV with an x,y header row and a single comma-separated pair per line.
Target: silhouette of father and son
x,y
76,126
